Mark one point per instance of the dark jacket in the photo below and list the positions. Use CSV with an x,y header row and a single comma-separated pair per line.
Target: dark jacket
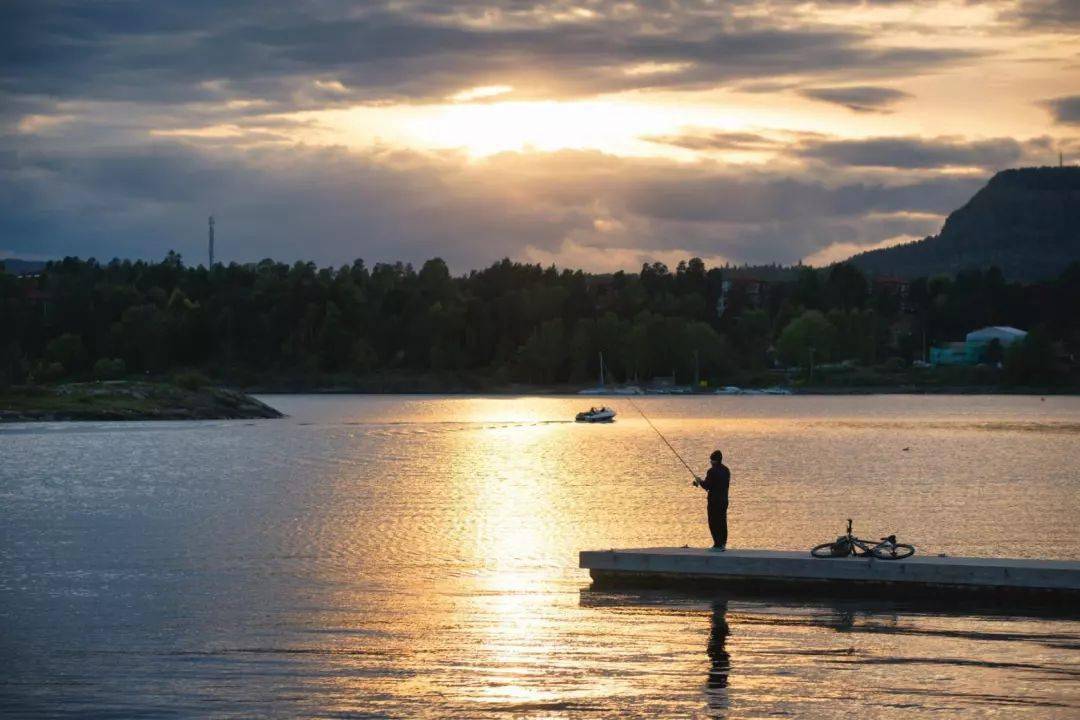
x,y
716,482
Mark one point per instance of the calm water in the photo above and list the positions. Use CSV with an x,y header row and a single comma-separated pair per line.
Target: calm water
x,y
416,557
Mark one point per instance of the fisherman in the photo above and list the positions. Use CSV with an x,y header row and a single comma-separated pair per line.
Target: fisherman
x,y
716,483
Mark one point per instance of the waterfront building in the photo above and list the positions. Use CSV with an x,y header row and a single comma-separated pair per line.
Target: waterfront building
x,y
973,350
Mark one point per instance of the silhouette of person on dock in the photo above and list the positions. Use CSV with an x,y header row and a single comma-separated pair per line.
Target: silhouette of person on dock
x,y
716,483
719,659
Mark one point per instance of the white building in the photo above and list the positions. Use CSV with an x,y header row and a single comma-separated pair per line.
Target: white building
x,y
978,340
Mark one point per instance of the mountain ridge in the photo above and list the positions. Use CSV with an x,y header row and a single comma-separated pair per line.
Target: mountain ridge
x,y
1025,221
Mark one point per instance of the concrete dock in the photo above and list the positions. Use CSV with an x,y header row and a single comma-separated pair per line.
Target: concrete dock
x,y
771,571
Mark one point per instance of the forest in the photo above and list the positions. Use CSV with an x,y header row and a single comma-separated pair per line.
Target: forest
x,y
393,327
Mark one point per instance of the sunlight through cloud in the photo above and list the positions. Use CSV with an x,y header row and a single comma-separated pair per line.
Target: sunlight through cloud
x,y
482,92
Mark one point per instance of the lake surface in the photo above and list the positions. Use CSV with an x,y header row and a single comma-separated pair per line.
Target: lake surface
x,y
373,556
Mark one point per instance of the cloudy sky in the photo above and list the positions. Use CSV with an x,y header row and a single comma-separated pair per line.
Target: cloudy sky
x,y
596,133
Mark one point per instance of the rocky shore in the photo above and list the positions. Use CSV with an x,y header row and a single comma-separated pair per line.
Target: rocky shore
x,y
126,400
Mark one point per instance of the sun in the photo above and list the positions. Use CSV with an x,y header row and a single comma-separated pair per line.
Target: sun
x,y
486,120
481,125
487,129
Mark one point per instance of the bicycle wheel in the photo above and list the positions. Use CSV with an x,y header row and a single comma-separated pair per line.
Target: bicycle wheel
x,y
899,551
824,550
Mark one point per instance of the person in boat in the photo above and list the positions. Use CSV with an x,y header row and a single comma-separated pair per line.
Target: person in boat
x,y
716,484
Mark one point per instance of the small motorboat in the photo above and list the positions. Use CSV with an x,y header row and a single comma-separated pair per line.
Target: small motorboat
x,y
601,414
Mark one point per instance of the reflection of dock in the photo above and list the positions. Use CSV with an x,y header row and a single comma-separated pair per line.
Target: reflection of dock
x,y
769,571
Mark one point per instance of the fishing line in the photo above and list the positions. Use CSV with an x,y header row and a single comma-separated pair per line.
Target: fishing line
x,y
690,469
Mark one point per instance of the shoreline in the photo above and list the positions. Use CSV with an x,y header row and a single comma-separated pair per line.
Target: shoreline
x,y
772,383
112,401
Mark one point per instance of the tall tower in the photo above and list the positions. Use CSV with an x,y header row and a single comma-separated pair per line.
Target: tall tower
x,y
211,266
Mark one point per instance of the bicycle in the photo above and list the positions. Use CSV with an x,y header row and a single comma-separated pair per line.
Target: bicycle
x,y
848,544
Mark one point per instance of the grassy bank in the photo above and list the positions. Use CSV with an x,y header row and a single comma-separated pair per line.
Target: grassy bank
x,y
979,379
127,400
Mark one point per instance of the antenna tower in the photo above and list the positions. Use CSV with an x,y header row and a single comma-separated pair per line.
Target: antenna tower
x,y
211,266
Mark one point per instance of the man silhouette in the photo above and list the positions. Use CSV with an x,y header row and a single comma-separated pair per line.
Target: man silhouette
x,y
716,483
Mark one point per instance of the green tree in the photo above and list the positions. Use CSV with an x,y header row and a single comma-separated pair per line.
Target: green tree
x,y
362,357
639,348
435,281
142,335
753,333
109,369
606,334
710,350
807,339
846,287
544,356
856,335
68,350
45,371
334,340
1031,361
808,290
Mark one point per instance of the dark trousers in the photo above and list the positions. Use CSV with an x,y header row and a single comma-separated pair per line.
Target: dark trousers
x,y
718,522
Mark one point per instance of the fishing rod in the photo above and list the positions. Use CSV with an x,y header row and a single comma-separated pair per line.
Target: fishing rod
x,y
685,465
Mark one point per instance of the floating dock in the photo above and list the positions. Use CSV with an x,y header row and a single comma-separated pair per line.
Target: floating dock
x,y
773,572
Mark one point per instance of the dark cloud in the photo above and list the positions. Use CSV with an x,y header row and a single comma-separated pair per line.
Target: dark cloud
x,y
705,141
723,198
913,152
889,154
1066,110
331,205
1053,15
764,87
860,98
202,52
325,204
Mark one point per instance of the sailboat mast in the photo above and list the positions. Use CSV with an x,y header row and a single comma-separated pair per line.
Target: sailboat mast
x,y
601,369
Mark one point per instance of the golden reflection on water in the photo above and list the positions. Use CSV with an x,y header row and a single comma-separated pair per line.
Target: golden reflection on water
x,y
510,479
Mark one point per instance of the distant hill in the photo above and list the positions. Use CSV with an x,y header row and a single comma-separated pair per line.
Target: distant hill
x,y
1025,221
22,267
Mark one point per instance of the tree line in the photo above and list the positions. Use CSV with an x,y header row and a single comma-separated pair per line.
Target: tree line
x,y
267,322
